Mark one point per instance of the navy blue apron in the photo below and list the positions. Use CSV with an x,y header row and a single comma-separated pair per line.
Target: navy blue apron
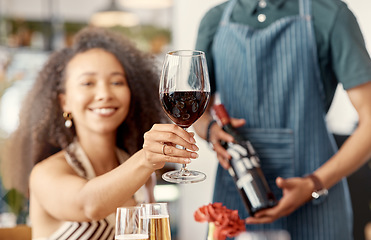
x,y
271,78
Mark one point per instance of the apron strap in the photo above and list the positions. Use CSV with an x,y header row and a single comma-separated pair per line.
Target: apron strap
x,y
305,7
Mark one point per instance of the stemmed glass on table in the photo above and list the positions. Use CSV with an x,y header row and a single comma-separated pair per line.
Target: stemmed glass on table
x,y
184,94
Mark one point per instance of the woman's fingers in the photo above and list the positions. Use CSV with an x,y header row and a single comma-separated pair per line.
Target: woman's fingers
x,y
172,134
166,143
169,151
189,137
156,157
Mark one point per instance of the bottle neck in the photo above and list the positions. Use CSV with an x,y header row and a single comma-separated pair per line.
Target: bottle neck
x,y
232,131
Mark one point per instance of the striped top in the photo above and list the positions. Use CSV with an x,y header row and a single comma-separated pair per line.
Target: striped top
x,y
104,228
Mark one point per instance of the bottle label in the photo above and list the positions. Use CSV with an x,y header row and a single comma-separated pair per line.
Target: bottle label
x,y
236,150
250,148
240,167
255,161
242,159
233,151
247,163
243,180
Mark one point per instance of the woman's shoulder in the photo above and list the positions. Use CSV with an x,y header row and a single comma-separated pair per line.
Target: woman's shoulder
x,y
51,165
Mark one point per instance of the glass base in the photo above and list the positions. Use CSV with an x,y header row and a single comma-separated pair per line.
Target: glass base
x,y
184,176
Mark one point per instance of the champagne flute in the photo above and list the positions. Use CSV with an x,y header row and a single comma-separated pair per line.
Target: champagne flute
x,y
184,95
157,217
131,224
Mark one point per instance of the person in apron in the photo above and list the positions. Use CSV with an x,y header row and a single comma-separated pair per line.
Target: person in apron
x,y
269,80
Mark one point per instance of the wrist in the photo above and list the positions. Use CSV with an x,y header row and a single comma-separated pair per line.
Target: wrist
x,y
211,123
318,191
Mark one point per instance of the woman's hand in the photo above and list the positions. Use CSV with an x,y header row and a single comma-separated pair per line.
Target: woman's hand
x,y
296,192
160,145
217,134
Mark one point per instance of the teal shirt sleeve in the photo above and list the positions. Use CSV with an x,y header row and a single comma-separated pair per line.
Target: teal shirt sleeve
x,y
351,61
206,31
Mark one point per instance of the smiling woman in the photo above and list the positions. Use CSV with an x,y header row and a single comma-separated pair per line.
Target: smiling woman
x,y
91,122
100,95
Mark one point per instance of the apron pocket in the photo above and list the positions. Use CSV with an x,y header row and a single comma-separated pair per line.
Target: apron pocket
x,y
275,148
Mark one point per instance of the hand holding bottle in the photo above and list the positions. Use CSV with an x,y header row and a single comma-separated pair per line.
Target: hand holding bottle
x,y
218,135
296,192
245,167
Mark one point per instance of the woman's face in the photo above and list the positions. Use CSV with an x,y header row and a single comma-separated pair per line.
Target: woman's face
x,y
97,93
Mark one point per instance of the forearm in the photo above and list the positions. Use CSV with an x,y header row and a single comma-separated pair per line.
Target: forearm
x,y
105,193
357,149
355,152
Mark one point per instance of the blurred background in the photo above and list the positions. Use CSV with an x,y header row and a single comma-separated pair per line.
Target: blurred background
x,y
31,29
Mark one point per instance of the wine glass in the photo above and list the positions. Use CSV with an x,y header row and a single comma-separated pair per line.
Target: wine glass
x,y
157,216
184,95
131,223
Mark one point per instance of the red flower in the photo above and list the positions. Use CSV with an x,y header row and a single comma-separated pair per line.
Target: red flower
x,y
227,222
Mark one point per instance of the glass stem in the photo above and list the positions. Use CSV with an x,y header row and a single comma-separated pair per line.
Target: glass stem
x,y
184,169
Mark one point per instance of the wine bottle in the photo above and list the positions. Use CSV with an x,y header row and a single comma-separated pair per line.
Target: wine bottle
x,y
245,167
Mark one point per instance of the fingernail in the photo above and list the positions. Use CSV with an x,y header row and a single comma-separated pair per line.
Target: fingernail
x,y
192,140
187,160
194,155
195,148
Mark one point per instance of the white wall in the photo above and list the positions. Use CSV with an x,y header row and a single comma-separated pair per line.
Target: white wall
x,y
361,9
186,17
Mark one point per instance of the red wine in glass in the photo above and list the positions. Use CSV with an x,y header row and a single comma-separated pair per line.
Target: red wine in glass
x,y
184,94
184,107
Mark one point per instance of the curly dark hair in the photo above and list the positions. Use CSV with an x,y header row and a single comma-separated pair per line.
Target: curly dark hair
x,y
41,131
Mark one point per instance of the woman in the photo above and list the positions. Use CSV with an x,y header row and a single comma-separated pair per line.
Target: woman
x,y
82,127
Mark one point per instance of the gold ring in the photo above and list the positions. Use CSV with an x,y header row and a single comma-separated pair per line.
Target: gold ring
x,y
163,148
